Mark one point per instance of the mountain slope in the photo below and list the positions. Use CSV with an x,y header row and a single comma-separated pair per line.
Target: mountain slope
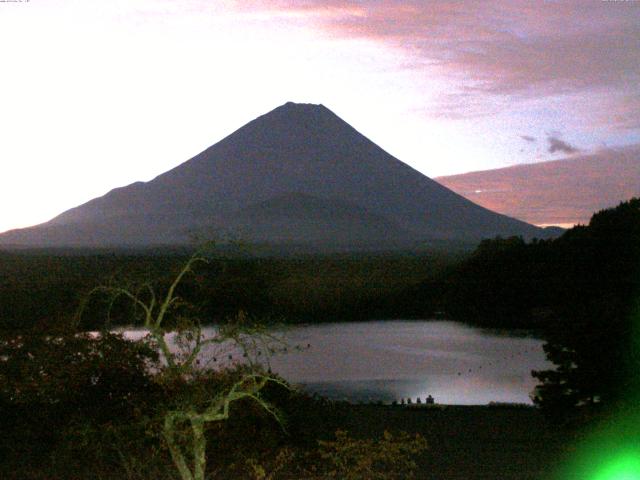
x,y
299,152
561,192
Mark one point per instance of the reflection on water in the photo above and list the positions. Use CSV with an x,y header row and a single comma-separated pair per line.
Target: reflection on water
x,y
390,360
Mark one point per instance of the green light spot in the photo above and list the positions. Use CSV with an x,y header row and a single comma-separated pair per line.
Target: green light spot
x,y
623,467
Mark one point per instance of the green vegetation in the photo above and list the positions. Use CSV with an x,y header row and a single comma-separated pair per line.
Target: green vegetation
x,y
351,459
42,289
200,406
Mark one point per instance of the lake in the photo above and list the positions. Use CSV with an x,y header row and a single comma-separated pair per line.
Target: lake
x,y
396,359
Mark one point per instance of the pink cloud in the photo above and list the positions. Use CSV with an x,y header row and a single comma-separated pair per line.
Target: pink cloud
x,y
517,48
487,53
565,191
624,114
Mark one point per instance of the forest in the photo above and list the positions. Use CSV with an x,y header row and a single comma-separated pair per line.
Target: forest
x,y
39,289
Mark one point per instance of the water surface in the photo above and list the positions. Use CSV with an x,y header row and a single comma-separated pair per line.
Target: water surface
x,y
394,360
390,360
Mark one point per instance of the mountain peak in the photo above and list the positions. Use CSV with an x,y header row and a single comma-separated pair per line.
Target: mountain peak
x,y
294,111
295,126
297,147
300,106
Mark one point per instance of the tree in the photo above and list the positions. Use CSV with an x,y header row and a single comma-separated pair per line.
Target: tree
x,y
56,387
594,341
387,458
199,401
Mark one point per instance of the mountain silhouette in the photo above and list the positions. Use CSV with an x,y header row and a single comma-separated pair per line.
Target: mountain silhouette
x,y
298,174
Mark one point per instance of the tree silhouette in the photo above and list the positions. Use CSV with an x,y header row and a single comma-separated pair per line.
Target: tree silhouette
x,y
185,423
594,339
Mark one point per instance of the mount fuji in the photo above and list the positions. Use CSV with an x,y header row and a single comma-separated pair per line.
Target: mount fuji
x,y
296,175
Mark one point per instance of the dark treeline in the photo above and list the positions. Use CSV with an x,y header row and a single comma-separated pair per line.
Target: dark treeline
x,y
504,282
581,291
44,290
507,282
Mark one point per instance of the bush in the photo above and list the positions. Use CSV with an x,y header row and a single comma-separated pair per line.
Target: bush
x,y
57,389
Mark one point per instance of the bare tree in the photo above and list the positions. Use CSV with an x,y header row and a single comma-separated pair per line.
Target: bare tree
x,y
181,364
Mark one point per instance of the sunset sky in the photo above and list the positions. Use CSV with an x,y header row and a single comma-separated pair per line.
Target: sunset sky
x,y
97,94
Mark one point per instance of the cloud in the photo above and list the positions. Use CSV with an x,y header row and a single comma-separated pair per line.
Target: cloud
x,y
487,55
492,50
527,138
510,49
557,145
624,114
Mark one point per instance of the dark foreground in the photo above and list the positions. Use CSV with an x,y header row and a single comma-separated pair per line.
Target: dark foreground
x,y
470,442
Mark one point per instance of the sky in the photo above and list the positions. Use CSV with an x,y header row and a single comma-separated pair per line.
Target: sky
x,y
95,95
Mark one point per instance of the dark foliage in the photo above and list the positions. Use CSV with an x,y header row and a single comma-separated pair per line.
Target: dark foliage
x,y
503,284
43,290
580,291
55,388
594,340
